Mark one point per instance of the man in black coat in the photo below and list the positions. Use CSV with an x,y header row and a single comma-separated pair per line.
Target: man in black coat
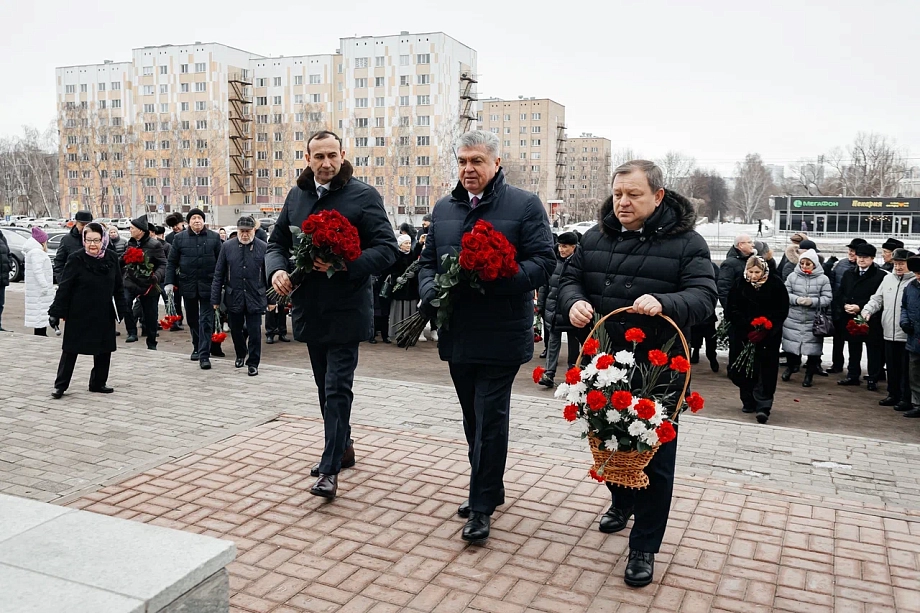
x,y
239,276
555,322
732,267
175,223
857,287
5,267
141,286
71,243
332,314
490,333
192,259
644,254
837,274
888,248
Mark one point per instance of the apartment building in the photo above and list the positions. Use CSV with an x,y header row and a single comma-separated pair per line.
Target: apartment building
x,y
224,129
533,144
588,177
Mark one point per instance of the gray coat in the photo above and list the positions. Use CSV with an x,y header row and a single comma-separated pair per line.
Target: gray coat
x,y
797,336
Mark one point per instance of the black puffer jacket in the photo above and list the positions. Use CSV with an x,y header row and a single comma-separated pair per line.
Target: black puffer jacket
x,y
495,327
71,243
239,274
340,308
153,249
118,246
730,271
666,259
192,260
548,297
5,264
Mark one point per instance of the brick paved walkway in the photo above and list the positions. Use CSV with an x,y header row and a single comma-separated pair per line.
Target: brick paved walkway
x,y
390,541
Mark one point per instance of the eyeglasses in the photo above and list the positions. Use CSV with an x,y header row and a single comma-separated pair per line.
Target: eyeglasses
x,y
93,241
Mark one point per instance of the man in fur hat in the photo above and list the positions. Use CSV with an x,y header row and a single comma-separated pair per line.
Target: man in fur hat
x,y
888,248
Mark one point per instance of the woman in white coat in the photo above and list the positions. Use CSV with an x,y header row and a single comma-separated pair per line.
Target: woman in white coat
x,y
39,277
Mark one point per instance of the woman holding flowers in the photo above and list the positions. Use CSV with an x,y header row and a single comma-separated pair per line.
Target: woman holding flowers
x,y
757,308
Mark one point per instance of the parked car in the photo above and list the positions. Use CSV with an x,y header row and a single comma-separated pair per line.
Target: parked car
x,y
581,227
16,241
45,222
123,224
105,221
23,222
11,222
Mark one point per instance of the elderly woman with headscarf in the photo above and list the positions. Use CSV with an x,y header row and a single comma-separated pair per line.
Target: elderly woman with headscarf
x,y
759,293
809,291
89,298
405,299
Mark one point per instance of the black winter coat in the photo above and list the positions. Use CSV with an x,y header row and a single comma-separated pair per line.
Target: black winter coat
x,y
730,271
191,263
666,259
548,298
153,249
5,265
495,327
118,246
71,243
745,303
856,289
89,293
239,274
410,290
340,308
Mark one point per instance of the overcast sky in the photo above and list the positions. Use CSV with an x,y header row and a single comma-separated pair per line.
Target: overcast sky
x,y
712,78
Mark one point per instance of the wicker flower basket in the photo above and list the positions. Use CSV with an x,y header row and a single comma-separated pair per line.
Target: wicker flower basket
x,y
627,468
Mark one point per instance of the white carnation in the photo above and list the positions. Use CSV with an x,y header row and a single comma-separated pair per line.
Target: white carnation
x,y
614,416
650,438
625,357
576,393
637,429
658,417
611,376
562,390
589,371
632,407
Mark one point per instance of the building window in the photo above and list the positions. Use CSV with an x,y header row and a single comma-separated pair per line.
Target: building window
x,y
261,82
261,100
201,67
203,162
423,79
115,86
379,181
315,98
423,141
315,79
163,69
277,117
507,129
361,122
535,129
279,155
70,89
102,87
403,60
423,120
524,142
378,81
535,155
298,155
148,90
201,143
262,173
277,81
201,124
404,101
164,107
361,142
298,79
423,160
404,80
423,58
379,122
361,103
201,105
150,145
379,101
422,180
380,161
535,116
298,98
360,161
276,100
404,122
315,116
164,144
201,87
421,201
148,70
203,181
261,118
102,104
183,68
164,89
380,141
360,62
183,87
423,99
362,82
535,142
380,61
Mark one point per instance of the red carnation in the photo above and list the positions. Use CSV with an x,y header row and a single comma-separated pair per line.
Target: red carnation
x,y
645,408
621,400
218,337
538,373
695,402
570,412
594,475
657,357
680,364
604,362
596,400
592,346
573,375
133,255
635,335
762,321
665,432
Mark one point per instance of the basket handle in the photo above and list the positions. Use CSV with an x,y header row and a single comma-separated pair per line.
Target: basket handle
x,y
680,334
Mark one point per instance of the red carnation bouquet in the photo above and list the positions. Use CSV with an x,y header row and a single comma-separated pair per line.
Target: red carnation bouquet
x,y
485,255
760,330
326,236
219,335
139,267
171,318
858,326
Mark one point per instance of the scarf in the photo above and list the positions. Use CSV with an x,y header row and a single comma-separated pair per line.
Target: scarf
x,y
104,246
759,262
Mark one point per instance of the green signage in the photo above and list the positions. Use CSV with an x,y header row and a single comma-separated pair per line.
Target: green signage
x,y
799,204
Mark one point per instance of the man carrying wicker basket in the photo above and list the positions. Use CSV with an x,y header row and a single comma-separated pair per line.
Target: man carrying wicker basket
x,y
643,254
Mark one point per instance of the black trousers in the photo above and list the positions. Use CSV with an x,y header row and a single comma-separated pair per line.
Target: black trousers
x,y
334,373
898,370
149,303
276,322
874,349
651,505
246,329
200,314
837,359
758,391
484,392
97,377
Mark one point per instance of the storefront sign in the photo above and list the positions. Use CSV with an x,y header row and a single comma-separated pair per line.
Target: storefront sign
x,y
798,203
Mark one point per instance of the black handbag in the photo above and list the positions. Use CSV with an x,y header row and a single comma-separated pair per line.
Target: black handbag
x,y
386,288
822,326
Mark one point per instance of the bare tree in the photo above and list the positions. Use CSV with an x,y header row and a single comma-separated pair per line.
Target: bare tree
x,y
676,167
753,185
709,187
871,166
621,156
808,178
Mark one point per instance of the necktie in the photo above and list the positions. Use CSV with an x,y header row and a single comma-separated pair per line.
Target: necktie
x,y
474,202
321,191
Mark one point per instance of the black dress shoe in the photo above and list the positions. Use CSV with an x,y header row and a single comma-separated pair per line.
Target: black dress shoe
x,y
476,528
205,364
822,373
848,381
373,341
913,413
176,328
695,356
808,380
787,374
348,461
132,338
762,417
547,381
833,370
543,354
283,338
387,341
105,389
217,352
614,520
639,569
464,509
714,364
888,401
902,406
871,386
270,340
748,410
239,363
325,487
253,371
194,356
57,393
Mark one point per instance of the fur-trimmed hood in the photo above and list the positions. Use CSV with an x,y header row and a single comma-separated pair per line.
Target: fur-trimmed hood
x,y
792,254
675,215
306,183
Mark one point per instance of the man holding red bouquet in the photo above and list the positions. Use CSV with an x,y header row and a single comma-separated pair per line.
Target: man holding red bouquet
x,y
332,313
489,333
